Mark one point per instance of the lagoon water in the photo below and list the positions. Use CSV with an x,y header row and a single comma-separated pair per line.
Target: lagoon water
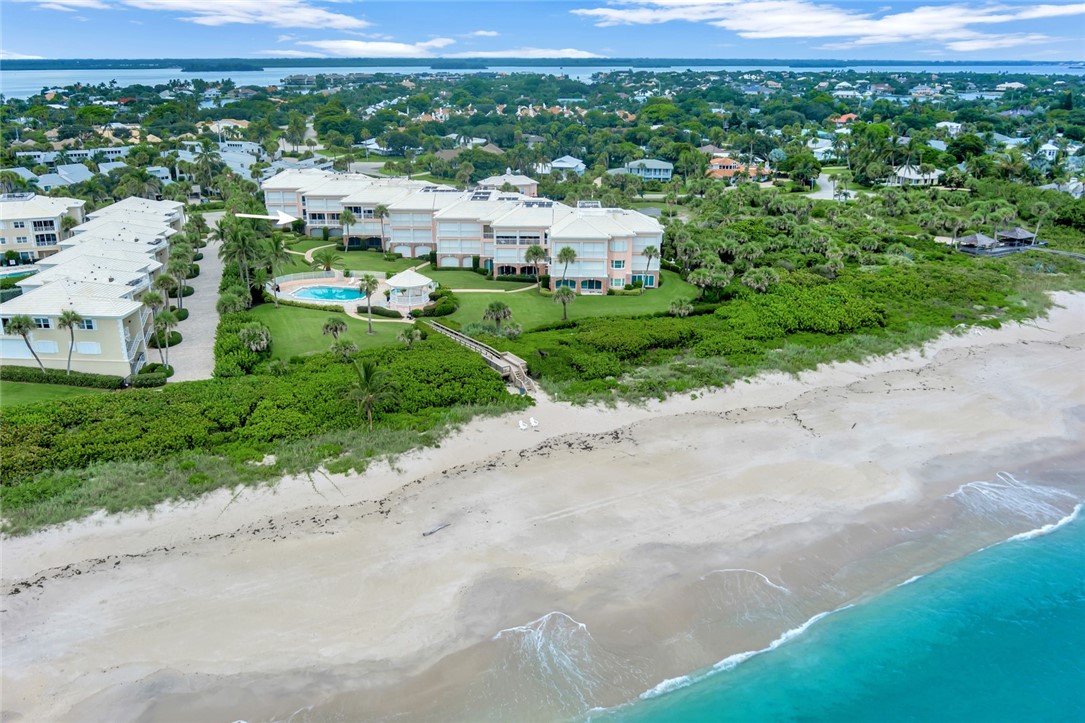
x,y
25,83
996,636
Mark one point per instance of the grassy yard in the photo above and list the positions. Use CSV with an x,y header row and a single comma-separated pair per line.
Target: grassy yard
x,y
296,332
12,393
530,309
456,279
304,244
353,260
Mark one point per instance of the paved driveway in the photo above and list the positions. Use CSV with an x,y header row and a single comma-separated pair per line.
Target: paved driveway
x,y
194,358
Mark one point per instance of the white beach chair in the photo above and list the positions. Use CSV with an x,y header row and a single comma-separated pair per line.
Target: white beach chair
x,y
534,423
523,426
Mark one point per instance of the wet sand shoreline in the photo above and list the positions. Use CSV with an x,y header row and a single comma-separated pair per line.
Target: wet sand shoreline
x,y
305,592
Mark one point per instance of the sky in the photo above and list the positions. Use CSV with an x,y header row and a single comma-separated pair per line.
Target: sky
x,y
840,29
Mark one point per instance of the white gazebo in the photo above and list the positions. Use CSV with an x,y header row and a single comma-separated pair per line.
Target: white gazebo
x,y
410,288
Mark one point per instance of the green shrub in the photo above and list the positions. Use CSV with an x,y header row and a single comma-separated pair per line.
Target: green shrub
x,y
270,299
9,282
156,379
189,291
157,340
182,314
232,357
388,313
156,368
14,373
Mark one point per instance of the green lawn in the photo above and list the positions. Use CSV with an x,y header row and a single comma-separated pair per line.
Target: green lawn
x,y
304,244
12,393
530,309
353,260
457,279
295,332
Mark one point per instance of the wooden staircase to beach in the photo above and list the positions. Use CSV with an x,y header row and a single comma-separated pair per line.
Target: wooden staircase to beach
x,y
508,365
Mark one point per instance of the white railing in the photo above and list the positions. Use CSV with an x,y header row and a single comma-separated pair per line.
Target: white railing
x,y
304,275
133,346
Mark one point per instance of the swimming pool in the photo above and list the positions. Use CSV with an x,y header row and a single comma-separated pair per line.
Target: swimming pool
x,y
329,293
17,271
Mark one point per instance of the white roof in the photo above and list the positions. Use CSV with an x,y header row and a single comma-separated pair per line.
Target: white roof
x,y
15,206
409,279
912,173
516,179
89,299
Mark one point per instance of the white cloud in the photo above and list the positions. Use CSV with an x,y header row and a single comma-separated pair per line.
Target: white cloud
x,y
484,34
378,49
68,6
12,55
275,13
950,26
288,54
286,38
527,53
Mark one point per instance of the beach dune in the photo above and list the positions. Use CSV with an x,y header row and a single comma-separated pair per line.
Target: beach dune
x,y
611,550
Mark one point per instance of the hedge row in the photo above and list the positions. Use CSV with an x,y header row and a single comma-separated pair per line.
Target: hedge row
x,y
12,373
447,303
381,311
156,379
270,299
232,358
238,416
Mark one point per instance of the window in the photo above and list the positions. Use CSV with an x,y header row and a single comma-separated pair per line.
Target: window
x,y
617,282
619,246
591,285
42,322
564,282
21,239
86,325
88,347
45,225
18,224
648,280
617,264
45,346
45,239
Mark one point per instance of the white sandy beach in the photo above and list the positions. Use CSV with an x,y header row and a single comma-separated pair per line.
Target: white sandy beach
x,y
299,594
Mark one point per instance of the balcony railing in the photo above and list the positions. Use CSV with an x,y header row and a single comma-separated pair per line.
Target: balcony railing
x,y
133,346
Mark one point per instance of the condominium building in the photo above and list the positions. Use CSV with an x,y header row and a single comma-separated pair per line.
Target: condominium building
x,y
496,227
101,271
32,225
524,184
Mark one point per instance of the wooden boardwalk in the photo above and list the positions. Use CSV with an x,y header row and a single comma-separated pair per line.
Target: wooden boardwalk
x,y
504,363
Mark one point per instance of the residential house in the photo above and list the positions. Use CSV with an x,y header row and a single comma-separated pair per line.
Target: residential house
x,y
730,170
524,184
648,169
910,176
32,225
952,129
564,165
845,119
1048,151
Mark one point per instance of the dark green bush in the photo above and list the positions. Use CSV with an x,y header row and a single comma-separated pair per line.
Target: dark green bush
x,y
14,373
381,311
189,291
232,358
9,282
157,341
182,314
156,379
193,271
156,368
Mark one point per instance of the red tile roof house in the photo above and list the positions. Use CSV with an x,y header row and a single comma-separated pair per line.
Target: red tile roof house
x,y
845,119
730,170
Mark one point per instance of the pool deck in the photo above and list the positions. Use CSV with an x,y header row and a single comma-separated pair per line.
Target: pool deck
x,y
357,306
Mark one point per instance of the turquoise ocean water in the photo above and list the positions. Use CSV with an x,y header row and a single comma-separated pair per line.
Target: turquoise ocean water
x,y
996,636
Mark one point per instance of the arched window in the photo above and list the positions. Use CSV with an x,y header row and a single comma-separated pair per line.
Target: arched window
x,y
591,285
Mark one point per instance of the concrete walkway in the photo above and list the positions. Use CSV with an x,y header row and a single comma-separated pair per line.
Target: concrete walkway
x,y
194,357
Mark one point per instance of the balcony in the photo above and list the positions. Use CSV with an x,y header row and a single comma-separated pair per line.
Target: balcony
x,y
133,345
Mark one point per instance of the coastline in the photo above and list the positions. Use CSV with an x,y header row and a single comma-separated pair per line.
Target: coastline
x,y
325,592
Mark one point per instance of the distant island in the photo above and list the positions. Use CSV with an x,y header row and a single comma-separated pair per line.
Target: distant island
x,y
217,64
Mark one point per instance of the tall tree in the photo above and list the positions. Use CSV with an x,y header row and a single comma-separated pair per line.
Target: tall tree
x,y
564,296
22,325
535,255
371,388
325,259
163,326
566,256
153,301
69,319
380,212
333,327
275,255
346,220
368,286
649,253
497,312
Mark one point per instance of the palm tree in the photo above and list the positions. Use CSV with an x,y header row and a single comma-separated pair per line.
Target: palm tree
x,y
1040,210
564,296
346,220
153,301
325,259
649,252
371,388
70,319
67,223
334,327
241,245
566,256
535,255
166,286
409,337
368,286
681,307
178,268
497,312
701,278
380,212
760,279
163,326
22,325
344,349
275,255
